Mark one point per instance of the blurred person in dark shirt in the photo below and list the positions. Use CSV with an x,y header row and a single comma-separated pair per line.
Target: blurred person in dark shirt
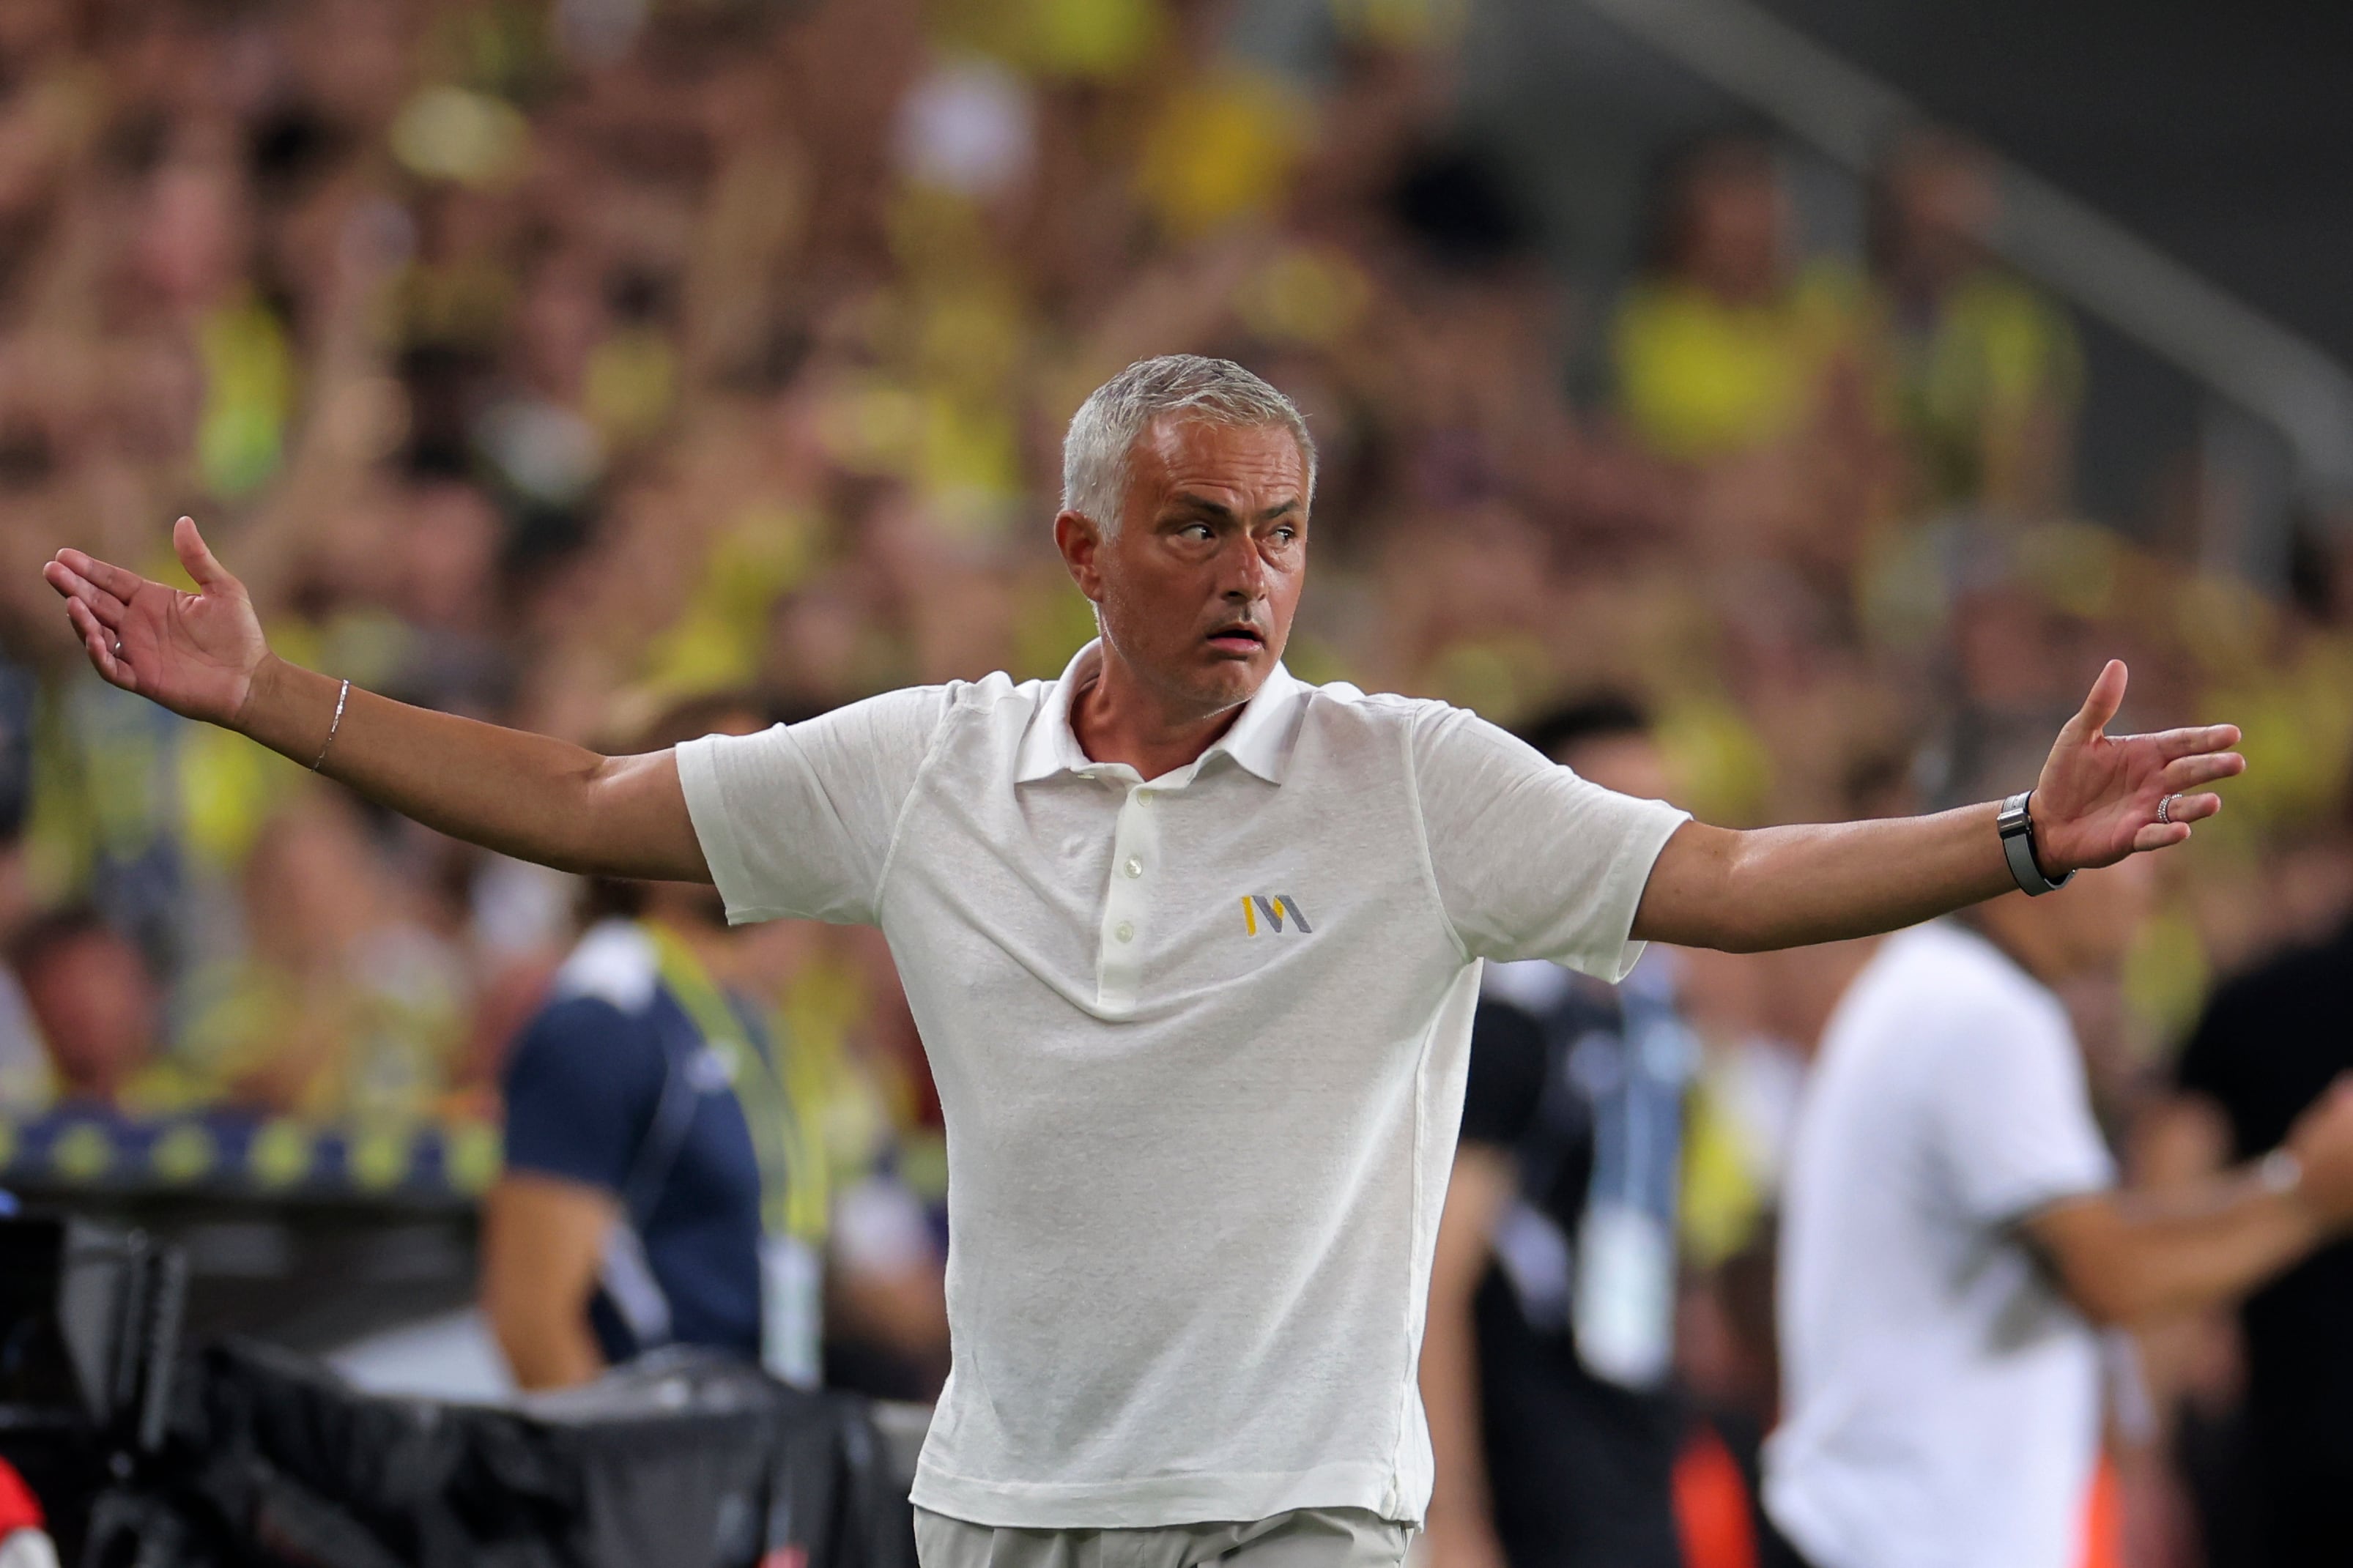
x,y
1554,1453
2270,1045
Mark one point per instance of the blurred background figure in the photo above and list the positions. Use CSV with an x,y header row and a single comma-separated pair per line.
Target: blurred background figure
x,y
666,1179
1547,1362
1985,371
95,1005
2267,1049
659,1187
1953,1238
1726,345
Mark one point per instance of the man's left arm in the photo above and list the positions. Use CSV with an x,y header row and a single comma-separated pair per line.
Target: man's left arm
x,y
2097,802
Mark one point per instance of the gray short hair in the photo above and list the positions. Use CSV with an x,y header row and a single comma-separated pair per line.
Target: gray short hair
x,y
1104,432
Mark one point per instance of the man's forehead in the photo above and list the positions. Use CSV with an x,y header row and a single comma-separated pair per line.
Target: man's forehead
x,y
1179,453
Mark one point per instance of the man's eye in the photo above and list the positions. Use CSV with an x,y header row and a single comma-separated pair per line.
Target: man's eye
x,y
1194,530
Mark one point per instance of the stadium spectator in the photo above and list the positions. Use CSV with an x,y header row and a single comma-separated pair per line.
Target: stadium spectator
x,y
1953,1234
2271,1044
1987,370
1549,1455
345,1004
96,1005
1723,346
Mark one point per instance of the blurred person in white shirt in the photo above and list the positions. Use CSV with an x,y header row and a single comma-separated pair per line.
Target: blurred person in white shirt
x,y
1954,1240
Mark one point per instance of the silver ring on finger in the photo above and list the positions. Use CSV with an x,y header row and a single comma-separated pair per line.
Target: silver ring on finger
x,y
2165,809
117,647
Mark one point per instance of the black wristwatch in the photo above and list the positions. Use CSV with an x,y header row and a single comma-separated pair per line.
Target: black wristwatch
x,y
2016,825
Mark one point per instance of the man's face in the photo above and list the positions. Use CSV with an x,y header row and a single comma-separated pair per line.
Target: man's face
x,y
1197,587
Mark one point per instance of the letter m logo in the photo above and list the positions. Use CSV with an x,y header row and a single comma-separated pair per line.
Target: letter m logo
x,y
1273,912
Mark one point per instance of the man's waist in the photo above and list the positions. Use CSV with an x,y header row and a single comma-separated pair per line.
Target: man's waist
x,y
1152,1498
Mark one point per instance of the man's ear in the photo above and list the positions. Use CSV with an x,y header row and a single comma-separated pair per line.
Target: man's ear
x,y
1080,543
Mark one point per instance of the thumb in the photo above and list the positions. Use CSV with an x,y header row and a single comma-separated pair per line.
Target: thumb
x,y
2100,705
209,574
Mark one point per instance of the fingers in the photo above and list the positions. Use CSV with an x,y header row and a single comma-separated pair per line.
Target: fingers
x,y
2189,773
100,642
2172,743
90,568
208,574
2180,813
2100,705
64,580
2193,807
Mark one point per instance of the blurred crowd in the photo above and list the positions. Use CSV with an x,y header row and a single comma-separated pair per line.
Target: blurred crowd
x,y
562,360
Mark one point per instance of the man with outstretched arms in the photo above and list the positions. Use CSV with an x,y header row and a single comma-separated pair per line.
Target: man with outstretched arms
x,y
1194,948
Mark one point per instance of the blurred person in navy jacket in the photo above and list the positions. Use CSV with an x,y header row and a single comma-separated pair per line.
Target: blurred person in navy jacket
x,y
658,1182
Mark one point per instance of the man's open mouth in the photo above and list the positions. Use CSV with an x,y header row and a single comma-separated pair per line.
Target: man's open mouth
x,y
1238,639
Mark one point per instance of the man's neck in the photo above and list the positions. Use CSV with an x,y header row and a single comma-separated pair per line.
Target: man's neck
x,y
1117,718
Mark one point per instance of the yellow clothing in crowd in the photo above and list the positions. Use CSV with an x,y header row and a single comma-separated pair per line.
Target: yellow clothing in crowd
x,y
1699,378
1994,352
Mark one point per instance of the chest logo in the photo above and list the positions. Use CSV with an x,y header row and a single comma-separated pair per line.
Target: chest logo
x,y
1273,912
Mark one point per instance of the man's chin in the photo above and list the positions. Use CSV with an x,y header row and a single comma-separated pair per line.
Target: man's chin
x,y
1230,678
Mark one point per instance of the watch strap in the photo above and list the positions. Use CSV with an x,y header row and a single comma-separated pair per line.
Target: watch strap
x,y
2015,822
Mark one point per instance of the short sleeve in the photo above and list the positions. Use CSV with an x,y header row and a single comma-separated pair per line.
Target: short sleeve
x,y
580,1086
1507,1074
796,822
2012,1115
1531,860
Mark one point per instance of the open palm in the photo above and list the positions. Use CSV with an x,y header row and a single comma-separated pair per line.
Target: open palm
x,y
193,653
2100,795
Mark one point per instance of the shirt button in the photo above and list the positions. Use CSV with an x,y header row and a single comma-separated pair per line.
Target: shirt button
x,y
1124,930
1134,867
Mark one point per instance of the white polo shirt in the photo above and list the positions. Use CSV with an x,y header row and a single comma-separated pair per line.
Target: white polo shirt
x,y
1199,1043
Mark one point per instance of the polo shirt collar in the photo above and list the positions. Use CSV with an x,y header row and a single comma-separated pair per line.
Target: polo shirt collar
x,y
1259,739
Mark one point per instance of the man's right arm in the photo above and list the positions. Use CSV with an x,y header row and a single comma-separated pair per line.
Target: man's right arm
x,y
202,655
530,796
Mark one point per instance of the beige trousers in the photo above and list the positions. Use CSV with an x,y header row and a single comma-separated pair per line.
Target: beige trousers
x,y
1305,1538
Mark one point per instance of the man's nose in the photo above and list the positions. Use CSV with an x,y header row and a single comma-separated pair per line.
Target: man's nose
x,y
1241,572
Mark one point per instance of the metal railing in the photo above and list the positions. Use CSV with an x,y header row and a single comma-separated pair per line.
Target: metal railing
x,y
2252,363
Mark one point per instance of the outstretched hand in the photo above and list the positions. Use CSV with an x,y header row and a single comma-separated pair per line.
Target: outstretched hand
x,y
2100,795
195,653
